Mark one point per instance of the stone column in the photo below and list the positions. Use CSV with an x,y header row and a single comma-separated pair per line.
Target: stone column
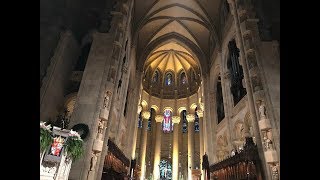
x,y
254,83
94,85
175,150
134,144
143,144
190,119
200,114
157,148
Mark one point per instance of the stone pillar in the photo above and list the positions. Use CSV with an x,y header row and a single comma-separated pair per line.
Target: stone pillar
x,y
157,148
143,144
134,144
175,150
190,119
200,114
244,19
93,88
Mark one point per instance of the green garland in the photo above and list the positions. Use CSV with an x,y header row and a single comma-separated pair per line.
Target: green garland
x,y
74,147
45,139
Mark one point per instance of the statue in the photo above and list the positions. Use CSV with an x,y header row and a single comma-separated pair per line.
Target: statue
x,y
93,162
275,172
267,140
106,99
100,127
262,111
239,131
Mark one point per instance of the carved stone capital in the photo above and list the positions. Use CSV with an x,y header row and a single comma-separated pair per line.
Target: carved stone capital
x,y
146,114
176,119
159,118
190,117
200,113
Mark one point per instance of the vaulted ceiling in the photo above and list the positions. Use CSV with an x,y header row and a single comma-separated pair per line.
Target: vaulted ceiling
x,y
171,57
190,22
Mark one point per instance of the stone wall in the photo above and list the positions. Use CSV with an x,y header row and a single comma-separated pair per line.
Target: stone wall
x,y
57,77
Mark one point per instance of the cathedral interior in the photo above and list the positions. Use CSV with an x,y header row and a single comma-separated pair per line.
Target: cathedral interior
x,y
169,89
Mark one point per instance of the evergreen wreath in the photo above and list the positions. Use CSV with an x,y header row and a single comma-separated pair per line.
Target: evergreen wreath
x,y
74,146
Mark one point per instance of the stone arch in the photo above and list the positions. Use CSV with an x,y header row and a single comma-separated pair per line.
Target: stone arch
x,y
180,109
156,108
167,108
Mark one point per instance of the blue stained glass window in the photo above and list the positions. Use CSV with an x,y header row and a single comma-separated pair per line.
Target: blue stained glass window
x,y
165,170
183,78
140,121
169,79
184,122
196,122
149,121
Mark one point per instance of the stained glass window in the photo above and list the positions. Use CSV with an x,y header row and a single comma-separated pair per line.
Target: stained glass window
x,y
155,77
219,99
184,122
167,122
183,78
165,170
196,121
169,79
149,121
140,120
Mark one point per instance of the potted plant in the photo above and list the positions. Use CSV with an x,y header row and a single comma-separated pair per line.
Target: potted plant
x,y
74,145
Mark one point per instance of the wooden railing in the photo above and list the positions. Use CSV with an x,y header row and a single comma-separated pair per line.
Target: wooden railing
x,y
243,165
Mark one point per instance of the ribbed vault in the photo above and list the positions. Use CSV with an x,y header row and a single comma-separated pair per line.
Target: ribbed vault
x,y
188,21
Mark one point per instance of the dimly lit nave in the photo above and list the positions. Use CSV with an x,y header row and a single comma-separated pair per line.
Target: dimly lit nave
x,y
160,89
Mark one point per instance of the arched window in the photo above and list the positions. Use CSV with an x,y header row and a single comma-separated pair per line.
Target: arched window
x,y
150,119
155,77
183,78
196,121
184,121
165,169
169,80
237,89
219,99
140,120
167,125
